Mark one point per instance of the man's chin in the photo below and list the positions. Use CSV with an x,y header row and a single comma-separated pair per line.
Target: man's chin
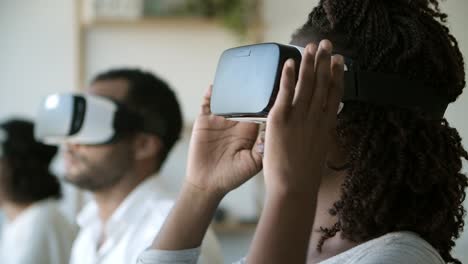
x,y
81,182
73,175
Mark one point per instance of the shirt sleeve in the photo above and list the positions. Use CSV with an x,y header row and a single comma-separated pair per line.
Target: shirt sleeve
x,y
210,251
186,256
399,254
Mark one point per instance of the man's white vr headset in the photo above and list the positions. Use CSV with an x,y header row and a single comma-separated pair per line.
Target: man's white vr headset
x,y
247,83
83,119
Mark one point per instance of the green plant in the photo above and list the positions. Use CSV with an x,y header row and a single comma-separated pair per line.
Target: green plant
x,y
236,15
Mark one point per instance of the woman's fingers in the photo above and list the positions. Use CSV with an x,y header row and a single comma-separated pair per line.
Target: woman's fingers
x,y
285,96
260,143
305,84
322,79
205,107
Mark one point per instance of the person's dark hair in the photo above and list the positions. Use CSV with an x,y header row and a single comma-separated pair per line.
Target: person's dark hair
x,y
26,178
404,169
155,101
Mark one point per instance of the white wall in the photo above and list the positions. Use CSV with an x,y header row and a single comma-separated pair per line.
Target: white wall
x,y
36,52
456,113
282,19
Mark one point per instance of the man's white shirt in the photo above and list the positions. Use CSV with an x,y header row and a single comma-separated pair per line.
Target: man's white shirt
x,y
131,229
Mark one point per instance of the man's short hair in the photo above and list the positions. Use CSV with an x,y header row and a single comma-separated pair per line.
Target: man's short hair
x,y
154,100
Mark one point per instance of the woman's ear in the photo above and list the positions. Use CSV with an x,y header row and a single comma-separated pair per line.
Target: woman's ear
x,y
147,146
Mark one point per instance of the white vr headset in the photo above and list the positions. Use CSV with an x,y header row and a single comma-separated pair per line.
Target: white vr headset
x,y
83,119
247,83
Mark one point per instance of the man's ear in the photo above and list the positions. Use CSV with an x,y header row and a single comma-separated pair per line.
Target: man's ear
x,y
147,146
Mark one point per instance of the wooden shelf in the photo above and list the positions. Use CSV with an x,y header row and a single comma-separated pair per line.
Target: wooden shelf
x,y
85,24
150,22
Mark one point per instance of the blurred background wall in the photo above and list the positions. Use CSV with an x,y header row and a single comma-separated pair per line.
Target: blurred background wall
x,y
44,49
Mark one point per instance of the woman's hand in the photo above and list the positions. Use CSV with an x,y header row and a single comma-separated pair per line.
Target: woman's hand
x,y
222,156
222,153
302,121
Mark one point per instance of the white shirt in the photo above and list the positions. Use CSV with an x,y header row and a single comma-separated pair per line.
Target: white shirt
x,y
392,248
131,229
39,235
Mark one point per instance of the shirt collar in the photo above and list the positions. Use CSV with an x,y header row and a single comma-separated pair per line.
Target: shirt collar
x,y
129,210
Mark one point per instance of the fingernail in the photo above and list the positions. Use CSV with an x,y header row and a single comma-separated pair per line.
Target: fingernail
x,y
261,148
326,45
311,48
339,59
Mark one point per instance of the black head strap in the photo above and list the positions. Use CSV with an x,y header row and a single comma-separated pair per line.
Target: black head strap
x,y
127,120
392,89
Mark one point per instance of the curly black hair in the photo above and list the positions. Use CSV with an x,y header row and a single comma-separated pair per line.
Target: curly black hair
x,y
404,168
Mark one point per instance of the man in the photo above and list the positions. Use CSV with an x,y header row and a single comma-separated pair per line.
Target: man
x,y
130,204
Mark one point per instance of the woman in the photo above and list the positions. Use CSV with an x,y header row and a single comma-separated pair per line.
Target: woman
x,y
35,230
377,184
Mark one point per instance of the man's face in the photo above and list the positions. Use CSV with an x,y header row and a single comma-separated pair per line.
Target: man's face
x,y
98,167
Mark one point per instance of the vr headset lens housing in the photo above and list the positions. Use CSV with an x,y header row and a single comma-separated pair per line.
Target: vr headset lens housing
x,y
246,79
247,83
54,118
74,118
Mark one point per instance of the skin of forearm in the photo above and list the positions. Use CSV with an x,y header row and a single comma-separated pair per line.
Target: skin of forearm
x,y
189,219
284,230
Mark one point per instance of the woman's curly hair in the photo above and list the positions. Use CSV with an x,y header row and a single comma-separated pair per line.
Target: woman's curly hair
x,y
404,169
